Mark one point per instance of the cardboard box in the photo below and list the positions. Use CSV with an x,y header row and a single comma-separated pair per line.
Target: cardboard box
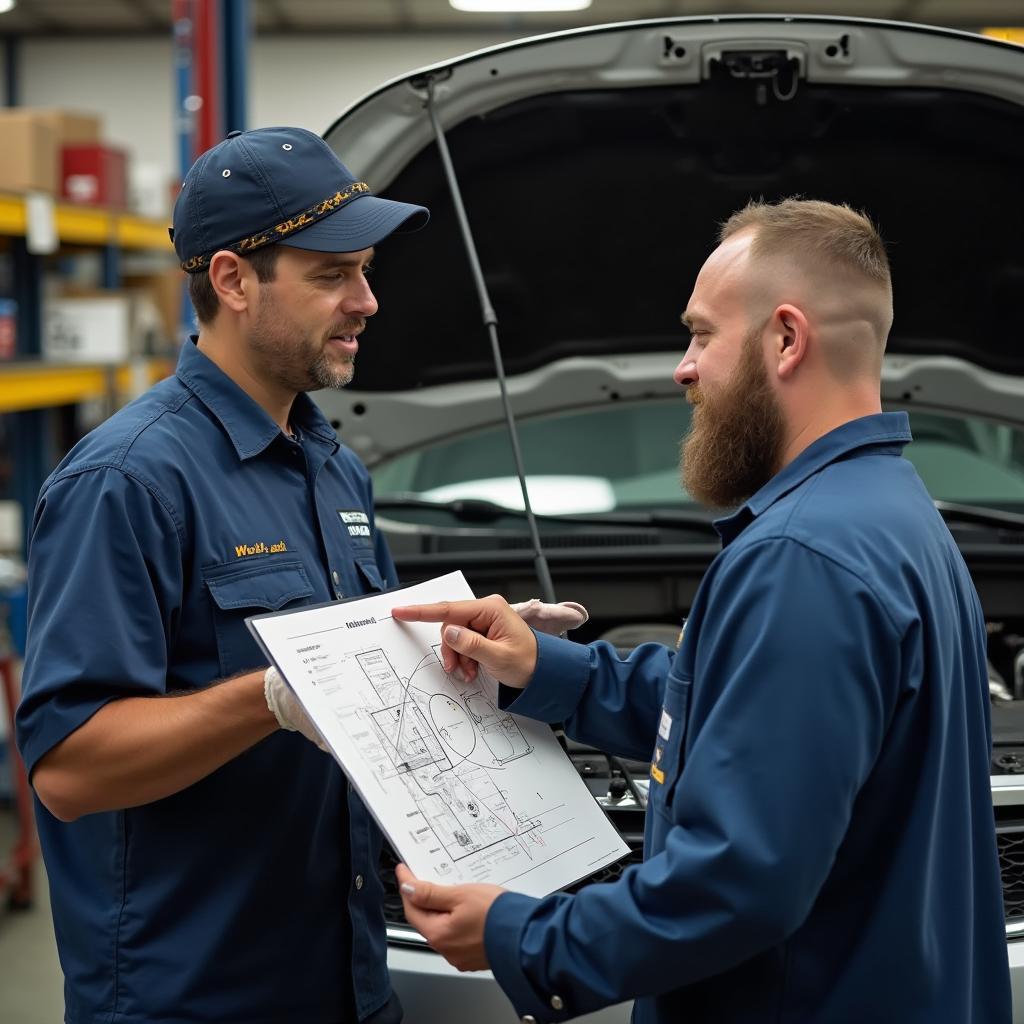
x,y
103,327
95,175
149,191
28,153
87,330
69,127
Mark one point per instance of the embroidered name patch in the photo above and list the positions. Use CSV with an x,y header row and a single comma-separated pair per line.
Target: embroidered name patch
x,y
260,547
356,522
665,728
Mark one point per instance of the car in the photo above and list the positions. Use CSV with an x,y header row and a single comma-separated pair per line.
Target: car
x,y
594,165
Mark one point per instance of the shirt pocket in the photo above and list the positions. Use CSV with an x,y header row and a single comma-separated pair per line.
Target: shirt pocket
x,y
368,575
237,592
667,759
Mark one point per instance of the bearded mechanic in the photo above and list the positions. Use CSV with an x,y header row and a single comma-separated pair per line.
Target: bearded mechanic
x,y
820,844
204,863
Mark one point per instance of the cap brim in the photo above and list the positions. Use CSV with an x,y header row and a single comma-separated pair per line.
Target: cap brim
x,y
359,224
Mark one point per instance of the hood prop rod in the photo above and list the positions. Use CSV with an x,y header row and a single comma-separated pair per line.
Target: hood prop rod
x,y
490,320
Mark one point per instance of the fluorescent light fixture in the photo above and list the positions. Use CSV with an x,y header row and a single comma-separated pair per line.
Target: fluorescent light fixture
x,y
518,6
6,5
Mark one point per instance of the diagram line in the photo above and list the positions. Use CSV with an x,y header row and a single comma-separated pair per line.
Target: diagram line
x,y
589,839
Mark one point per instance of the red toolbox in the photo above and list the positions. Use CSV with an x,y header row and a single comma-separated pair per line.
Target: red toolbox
x,y
95,175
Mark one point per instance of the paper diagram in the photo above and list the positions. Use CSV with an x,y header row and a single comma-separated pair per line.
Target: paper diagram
x,y
463,790
447,743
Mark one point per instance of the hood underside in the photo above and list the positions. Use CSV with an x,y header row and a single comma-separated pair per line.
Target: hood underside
x,y
596,165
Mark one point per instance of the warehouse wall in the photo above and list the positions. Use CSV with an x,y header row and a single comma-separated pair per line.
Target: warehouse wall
x,y
304,80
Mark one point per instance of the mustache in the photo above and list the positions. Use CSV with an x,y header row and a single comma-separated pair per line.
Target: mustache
x,y
356,326
694,395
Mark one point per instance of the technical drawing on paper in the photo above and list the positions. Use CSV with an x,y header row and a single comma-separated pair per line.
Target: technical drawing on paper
x,y
446,746
463,790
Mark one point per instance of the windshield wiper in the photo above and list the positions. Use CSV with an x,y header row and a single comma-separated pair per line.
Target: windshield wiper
x,y
479,510
981,515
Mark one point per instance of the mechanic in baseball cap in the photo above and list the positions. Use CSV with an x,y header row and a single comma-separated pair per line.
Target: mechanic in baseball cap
x,y
250,874
277,237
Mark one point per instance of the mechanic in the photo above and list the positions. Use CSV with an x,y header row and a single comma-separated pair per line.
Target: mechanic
x,y
820,843
204,863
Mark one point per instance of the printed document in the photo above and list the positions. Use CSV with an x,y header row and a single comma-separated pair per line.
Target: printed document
x,y
464,791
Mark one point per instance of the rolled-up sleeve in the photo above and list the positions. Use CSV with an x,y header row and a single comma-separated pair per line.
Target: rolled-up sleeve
x,y
104,592
795,669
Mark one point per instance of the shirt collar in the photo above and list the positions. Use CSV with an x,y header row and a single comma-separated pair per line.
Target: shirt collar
x,y
886,431
245,421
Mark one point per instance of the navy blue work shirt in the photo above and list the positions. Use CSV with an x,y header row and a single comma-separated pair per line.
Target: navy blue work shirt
x,y
820,844
251,896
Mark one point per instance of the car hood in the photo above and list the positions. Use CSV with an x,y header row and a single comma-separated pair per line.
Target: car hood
x,y
596,164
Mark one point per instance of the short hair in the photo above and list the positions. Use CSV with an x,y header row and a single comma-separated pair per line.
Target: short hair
x,y
811,228
204,298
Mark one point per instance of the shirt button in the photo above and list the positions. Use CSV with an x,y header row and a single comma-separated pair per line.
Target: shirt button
x,y
556,1003
335,577
359,881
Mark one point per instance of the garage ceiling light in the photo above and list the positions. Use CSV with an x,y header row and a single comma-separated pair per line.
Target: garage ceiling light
x,y
518,6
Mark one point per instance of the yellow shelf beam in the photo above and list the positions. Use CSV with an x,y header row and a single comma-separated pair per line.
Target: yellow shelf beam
x,y
88,225
140,233
39,386
13,219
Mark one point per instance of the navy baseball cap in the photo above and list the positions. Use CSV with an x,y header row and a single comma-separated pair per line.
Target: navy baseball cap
x,y
279,186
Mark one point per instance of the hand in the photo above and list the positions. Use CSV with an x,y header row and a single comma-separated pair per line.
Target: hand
x,y
496,637
450,917
285,707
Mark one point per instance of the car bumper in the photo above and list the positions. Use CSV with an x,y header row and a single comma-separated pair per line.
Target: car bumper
x,y
432,990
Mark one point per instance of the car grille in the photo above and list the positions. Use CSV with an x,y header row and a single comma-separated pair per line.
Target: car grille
x,y
1010,843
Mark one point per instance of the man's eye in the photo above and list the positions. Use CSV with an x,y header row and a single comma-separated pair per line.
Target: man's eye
x,y
368,270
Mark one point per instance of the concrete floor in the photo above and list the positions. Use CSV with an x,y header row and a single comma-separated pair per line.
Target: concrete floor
x,y
31,983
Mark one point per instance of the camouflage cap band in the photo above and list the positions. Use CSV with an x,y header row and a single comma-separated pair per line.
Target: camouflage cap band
x,y
267,237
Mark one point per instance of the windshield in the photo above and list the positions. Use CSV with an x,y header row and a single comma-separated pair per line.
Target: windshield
x,y
625,456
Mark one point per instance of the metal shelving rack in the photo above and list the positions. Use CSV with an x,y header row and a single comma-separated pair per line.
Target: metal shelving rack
x,y
211,41
30,390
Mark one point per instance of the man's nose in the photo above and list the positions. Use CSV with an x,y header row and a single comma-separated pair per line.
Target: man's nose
x,y
686,372
360,300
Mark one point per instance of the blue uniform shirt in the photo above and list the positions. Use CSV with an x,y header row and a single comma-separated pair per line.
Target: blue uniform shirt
x,y
235,899
820,844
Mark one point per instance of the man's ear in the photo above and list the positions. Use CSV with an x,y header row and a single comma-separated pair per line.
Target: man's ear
x,y
791,337
232,280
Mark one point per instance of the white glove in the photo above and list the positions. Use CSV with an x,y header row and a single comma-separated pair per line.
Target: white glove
x,y
285,707
551,618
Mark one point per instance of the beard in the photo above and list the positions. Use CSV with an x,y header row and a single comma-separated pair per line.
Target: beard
x,y
736,437
296,359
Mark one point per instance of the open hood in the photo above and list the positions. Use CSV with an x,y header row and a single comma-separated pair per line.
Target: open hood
x,y
596,163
